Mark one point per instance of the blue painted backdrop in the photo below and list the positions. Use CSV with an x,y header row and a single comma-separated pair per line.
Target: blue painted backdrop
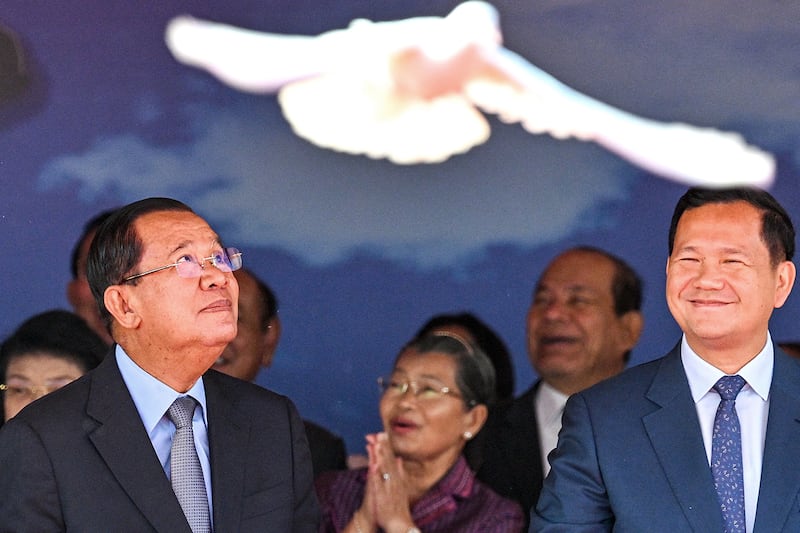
x,y
361,252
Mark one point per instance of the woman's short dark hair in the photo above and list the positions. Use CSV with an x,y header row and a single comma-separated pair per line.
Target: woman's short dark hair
x,y
59,333
474,371
117,249
487,340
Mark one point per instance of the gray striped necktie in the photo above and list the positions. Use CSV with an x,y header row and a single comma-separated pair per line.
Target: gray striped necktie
x,y
185,471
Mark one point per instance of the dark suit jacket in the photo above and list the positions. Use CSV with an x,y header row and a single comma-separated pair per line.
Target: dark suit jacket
x,y
79,459
511,458
327,450
630,457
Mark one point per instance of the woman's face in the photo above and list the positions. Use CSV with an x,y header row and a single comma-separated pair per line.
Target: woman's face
x,y
423,423
31,376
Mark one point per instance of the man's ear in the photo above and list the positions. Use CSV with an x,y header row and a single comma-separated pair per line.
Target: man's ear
x,y
117,299
786,276
72,293
632,325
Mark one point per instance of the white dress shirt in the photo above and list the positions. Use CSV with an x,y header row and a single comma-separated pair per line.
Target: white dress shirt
x,y
548,405
752,408
152,399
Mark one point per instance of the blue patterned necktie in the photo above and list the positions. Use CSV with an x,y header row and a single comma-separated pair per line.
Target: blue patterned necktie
x,y
186,473
726,455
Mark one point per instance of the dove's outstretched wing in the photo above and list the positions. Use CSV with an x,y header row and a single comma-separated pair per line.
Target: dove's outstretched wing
x,y
246,60
352,89
407,90
682,152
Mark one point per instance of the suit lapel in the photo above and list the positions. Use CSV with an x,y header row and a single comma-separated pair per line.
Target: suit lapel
x,y
228,430
780,478
525,444
678,443
120,439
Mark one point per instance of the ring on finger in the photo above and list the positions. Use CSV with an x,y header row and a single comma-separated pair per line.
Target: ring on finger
x,y
385,476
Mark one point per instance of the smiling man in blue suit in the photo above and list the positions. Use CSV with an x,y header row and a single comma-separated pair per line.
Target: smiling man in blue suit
x,y
705,439
152,440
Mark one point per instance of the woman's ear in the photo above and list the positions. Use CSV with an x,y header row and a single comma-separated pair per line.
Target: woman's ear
x,y
474,420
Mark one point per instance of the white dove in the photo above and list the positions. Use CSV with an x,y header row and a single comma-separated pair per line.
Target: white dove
x,y
409,91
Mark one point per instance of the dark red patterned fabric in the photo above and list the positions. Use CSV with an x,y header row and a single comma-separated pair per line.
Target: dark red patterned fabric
x,y
458,502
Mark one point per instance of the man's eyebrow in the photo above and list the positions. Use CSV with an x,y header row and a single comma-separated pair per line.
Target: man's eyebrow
x,y
60,377
727,250
577,287
685,249
730,250
181,245
20,377
185,244
574,287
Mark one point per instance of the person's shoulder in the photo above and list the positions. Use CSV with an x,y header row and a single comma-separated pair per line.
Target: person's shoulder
x,y
495,504
631,381
236,389
786,372
640,372
316,432
784,360
518,408
257,404
526,397
333,482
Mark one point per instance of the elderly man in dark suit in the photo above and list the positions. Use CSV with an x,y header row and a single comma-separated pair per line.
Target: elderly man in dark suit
x,y
582,323
152,440
707,437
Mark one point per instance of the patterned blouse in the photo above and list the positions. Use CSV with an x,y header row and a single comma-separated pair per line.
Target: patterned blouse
x,y
457,503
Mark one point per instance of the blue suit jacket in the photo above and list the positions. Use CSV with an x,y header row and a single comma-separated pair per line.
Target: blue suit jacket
x,y
79,459
630,457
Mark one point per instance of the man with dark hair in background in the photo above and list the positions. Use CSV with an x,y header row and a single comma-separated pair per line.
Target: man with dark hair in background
x,y
582,323
254,347
79,294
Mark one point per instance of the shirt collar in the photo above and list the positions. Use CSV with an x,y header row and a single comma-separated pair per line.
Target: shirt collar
x,y
152,397
550,404
702,375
